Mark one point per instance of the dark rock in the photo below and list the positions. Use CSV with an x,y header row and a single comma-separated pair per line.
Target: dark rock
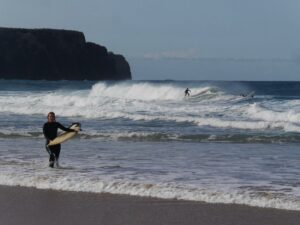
x,y
49,54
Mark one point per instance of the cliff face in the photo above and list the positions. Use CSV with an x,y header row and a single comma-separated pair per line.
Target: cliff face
x,y
48,54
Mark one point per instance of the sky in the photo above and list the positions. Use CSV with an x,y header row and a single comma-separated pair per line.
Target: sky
x,y
171,29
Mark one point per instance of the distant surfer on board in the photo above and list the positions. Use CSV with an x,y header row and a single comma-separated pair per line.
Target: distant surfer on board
x,y
187,92
251,94
50,132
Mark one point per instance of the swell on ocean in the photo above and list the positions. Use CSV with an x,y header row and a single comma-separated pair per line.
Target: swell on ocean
x,y
146,138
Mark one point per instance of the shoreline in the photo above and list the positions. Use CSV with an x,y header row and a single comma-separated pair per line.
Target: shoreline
x,y
31,206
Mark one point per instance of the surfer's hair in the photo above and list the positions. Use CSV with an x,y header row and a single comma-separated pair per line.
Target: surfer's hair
x,y
50,113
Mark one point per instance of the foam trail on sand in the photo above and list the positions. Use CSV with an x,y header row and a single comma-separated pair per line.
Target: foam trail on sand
x,y
166,191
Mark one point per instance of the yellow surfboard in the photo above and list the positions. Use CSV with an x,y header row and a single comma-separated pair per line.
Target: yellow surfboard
x,y
66,135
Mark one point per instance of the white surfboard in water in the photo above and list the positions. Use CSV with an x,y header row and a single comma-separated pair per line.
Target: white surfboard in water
x,y
66,135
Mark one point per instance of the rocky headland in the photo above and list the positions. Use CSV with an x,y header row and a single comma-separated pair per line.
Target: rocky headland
x,y
51,54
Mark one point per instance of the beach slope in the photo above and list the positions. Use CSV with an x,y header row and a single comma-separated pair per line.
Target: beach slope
x,y
30,206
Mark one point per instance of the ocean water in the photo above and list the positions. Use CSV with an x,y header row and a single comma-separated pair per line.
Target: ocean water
x,y
145,138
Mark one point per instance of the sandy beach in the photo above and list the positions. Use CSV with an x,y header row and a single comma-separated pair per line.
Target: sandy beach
x,y
30,206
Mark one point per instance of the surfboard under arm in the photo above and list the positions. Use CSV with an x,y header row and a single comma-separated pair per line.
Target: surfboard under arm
x,y
66,135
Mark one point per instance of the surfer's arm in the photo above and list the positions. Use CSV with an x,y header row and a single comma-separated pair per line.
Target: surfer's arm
x,y
47,137
65,128
46,134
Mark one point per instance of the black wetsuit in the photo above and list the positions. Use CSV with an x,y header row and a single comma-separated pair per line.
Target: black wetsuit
x,y
187,92
50,133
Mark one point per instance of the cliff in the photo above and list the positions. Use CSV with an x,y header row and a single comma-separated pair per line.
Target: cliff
x,y
49,54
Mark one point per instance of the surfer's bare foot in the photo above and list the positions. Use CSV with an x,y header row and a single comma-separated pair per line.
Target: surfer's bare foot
x,y
56,163
51,164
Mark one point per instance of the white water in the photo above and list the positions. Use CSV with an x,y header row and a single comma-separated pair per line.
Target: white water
x,y
242,174
207,106
147,139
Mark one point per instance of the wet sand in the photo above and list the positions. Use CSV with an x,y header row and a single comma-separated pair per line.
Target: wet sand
x,y
30,206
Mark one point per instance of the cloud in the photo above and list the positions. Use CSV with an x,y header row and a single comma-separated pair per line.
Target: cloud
x,y
174,54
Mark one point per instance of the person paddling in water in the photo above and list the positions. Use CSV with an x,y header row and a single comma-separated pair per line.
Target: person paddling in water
x,y
187,92
50,132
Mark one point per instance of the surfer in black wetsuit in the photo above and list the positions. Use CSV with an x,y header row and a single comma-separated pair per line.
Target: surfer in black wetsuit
x,y
50,132
187,92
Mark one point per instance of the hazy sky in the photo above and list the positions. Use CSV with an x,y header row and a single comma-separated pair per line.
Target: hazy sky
x,y
170,29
